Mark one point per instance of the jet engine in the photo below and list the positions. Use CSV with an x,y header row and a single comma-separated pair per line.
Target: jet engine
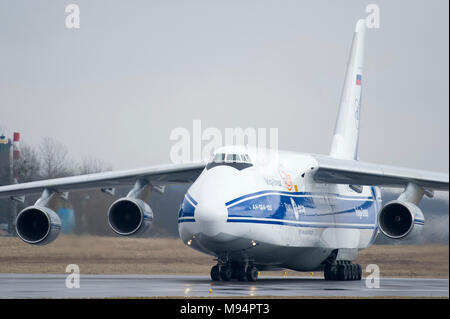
x,y
130,216
38,225
398,219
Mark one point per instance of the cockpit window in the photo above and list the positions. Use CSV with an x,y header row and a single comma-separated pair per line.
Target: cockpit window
x,y
238,161
219,157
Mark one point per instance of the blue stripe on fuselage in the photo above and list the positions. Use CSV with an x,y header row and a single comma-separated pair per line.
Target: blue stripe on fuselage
x,y
187,209
186,220
277,207
299,224
191,199
303,207
286,193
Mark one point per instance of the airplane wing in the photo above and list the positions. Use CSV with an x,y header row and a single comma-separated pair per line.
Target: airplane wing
x,y
155,175
340,171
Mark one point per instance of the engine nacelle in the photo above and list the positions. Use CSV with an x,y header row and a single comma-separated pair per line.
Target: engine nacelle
x,y
398,219
38,225
130,216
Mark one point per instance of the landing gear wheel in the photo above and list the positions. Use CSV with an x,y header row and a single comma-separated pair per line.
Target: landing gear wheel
x,y
226,273
240,273
348,273
215,273
345,272
328,272
353,272
342,272
359,272
252,274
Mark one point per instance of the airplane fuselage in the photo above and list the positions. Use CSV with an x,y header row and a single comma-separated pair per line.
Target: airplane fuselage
x,y
275,215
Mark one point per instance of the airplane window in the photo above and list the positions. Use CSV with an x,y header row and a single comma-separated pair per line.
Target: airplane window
x,y
237,161
219,157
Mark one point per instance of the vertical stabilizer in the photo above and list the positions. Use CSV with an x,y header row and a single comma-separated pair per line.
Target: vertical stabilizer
x,y
346,132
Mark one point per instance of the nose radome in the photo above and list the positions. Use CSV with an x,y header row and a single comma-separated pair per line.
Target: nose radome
x,y
211,211
211,215
211,191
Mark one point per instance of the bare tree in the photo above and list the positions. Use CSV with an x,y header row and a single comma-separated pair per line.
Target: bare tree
x,y
54,160
28,166
91,165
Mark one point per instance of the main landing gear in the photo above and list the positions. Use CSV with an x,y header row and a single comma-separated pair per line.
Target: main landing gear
x,y
342,270
229,271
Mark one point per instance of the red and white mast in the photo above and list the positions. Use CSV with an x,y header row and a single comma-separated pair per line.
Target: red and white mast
x,y
16,156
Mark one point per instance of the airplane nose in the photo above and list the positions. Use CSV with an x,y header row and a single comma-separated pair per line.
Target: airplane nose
x,y
211,215
211,191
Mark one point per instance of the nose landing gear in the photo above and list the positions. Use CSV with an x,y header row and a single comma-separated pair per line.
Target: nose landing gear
x,y
230,271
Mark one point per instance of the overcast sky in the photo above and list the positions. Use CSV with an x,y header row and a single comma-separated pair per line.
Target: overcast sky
x,y
135,70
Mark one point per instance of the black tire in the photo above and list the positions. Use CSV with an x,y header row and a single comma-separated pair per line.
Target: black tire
x,y
349,269
327,272
348,273
226,273
359,277
353,271
342,272
252,274
240,274
215,273
333,273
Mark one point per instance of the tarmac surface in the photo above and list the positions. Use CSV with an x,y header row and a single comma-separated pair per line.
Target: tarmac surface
x,y
106,286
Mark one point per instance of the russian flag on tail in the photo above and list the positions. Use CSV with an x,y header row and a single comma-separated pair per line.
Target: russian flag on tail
x,y
358,79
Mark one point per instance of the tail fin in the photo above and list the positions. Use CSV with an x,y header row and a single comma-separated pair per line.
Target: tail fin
x,y
346,132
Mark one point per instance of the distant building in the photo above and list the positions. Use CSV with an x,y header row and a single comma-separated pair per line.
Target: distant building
x,y
7,207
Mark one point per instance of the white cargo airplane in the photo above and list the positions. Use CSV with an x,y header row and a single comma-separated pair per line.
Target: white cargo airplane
x,y
296,211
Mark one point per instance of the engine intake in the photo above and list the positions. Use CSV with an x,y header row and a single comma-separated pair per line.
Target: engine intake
x,y
130,216
38,225
398,219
